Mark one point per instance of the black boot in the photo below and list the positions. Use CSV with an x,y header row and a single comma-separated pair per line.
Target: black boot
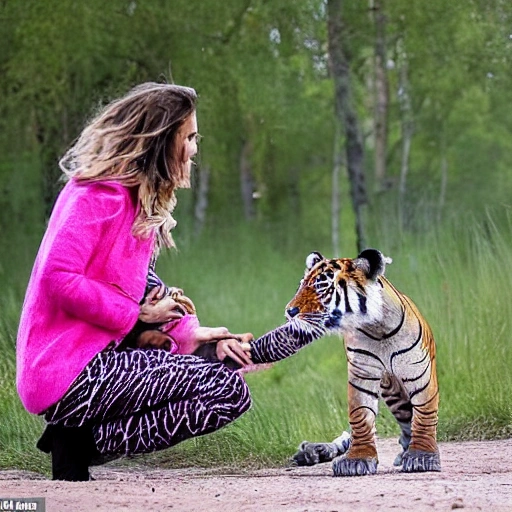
x,y
72,450
45,441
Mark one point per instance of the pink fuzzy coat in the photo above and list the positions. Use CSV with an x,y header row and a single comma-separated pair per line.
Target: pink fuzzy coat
x,y
84,292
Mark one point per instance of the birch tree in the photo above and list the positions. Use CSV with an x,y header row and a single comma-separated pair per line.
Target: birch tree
x,y
346,113
381,94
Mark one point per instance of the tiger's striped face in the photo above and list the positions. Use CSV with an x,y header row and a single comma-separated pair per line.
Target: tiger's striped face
x,y
342,292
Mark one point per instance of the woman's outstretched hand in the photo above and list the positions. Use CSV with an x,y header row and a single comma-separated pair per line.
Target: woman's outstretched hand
x,y
231,347
235,346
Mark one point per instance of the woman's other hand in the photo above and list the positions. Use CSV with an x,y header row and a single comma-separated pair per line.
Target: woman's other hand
x,y
158,308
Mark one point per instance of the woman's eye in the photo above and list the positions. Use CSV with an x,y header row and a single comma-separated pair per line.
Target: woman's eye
x,y
195,136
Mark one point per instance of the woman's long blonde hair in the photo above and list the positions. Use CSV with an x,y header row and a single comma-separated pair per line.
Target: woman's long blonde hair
x,y
132,141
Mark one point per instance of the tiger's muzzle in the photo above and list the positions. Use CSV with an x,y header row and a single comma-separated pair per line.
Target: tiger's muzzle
x,y
292,312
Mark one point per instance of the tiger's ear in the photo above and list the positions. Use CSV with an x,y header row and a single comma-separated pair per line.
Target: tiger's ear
x,y
372,262
313,259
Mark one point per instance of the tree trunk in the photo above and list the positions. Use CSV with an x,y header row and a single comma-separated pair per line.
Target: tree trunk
x,y
381,92
201,206
50,171
407,128
247,180
346,114
336,192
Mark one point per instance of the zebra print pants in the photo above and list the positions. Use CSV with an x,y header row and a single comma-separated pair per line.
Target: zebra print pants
x,y
139,401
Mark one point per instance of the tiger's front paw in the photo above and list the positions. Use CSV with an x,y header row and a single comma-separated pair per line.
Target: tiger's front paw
x,y
310,454
416,461
343,466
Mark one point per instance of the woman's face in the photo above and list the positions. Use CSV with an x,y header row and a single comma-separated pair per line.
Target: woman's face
x,y
186,146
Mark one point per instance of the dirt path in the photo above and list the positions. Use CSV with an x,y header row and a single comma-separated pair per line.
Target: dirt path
x,y
475,476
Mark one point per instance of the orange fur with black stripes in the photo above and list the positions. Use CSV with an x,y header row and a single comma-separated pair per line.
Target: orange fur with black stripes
x,y
391,355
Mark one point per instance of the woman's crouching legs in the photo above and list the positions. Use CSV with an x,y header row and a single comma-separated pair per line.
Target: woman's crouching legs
x,y
222,398
139,401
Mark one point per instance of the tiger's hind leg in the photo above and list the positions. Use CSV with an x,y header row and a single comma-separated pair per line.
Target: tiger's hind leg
x,y
422,453
310,454
404,440
397,399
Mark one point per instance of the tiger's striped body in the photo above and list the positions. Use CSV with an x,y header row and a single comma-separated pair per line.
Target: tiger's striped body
x,y
391,355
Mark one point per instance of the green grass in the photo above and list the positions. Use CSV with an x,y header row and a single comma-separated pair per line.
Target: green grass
x,y
18,429
460,277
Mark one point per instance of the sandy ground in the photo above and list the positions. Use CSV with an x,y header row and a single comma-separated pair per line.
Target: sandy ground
x,y
475,476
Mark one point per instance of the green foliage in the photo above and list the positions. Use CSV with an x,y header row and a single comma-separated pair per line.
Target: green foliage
x,y
262,75
18,429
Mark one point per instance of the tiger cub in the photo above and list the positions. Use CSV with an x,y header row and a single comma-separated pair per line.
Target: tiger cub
x,y
391,354
150,336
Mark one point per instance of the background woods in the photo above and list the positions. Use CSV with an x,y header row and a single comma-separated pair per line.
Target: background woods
x,y
328,125
420,95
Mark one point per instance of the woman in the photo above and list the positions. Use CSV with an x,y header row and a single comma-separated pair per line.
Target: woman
x,y
86,293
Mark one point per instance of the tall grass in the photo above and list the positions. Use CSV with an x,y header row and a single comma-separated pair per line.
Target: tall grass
x,y
18,429
460,277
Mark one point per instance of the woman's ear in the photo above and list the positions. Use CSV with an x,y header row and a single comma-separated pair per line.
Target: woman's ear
x,y
372,262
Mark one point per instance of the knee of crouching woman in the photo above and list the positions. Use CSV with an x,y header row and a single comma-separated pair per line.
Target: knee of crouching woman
x,y
238,392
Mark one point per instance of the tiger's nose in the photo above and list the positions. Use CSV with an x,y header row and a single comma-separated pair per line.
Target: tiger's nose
x,y
293,312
